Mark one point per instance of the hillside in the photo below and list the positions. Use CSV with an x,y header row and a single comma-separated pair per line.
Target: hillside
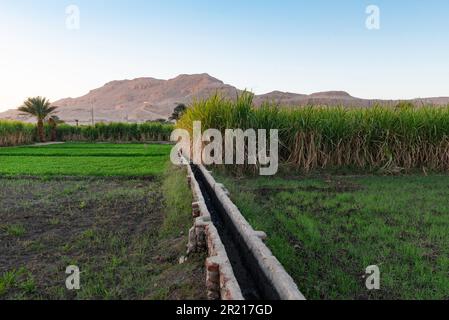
x,y
144,99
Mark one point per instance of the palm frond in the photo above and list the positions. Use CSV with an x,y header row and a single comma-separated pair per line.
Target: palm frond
x,y
39,107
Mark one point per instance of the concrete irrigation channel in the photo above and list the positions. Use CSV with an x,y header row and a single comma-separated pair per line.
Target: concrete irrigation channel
x,y
239,265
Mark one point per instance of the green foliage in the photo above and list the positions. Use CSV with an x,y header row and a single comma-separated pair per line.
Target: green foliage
x,y
178,112
178,201
15,133
20,279
7,281
314,137
116,132
38,107
15,230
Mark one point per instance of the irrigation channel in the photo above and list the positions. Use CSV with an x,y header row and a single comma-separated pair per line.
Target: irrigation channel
x,y
251,278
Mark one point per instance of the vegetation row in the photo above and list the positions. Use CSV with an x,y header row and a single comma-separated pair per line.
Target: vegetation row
x,y
14,133
392,138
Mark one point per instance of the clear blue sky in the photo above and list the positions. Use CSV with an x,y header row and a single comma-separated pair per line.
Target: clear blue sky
x,y
261,45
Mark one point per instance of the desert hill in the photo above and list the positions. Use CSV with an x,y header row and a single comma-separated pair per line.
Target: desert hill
x,y
144,99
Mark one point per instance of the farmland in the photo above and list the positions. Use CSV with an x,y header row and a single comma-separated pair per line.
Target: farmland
x,y
118,212
356,187
326,229
79,159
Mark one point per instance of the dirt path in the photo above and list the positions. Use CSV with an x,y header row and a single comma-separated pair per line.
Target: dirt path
x,y
42,144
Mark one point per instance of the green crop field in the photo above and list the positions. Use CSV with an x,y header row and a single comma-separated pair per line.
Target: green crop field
x,y
120,212
326,230
84,159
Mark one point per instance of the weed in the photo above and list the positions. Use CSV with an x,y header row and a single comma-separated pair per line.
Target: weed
x,y
15,230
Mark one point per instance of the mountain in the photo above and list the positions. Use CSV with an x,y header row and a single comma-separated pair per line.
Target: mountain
x,y
333,98
144,99
135,100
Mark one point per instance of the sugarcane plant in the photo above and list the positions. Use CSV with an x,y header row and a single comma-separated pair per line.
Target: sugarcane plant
x,y
388,138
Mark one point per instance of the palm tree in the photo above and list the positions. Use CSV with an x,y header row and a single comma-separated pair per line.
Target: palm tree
x,y
40,108
53,122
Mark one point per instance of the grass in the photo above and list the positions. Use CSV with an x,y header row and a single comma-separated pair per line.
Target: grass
x,y
178,201
15,230
123,220
89,150
327,229
82,166
7,281
17,279
77,159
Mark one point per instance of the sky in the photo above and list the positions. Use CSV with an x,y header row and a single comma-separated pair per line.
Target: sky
x,y
301,46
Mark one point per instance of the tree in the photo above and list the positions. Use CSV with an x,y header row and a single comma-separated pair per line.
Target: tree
x,y
178,112
53,122
40,108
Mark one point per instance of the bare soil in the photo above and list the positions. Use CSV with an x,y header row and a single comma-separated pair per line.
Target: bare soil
x,y
109,228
